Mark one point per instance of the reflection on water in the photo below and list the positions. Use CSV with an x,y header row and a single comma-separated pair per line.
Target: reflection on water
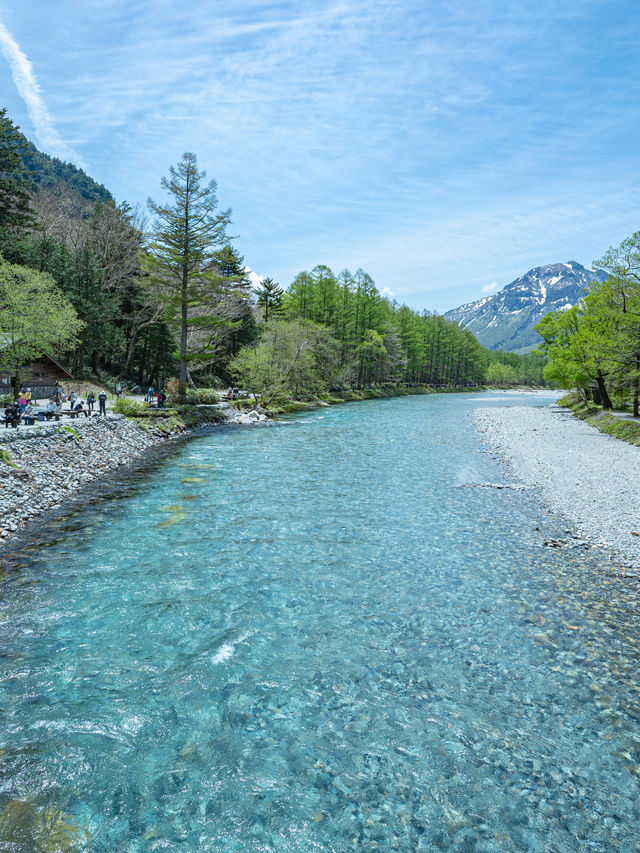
x,y
323,644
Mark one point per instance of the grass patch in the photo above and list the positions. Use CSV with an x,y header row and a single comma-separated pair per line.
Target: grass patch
x,y
602,419
6,457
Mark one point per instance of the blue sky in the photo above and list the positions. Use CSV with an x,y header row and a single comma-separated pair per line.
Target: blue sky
x,y
444,147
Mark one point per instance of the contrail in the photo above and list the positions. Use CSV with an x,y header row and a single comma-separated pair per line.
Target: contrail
x,y
29,90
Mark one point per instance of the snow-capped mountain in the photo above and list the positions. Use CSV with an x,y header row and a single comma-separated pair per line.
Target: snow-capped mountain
x,y
255,279
505,320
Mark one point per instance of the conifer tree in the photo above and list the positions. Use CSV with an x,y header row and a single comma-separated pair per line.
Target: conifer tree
x,y
15,182
270,299
186,235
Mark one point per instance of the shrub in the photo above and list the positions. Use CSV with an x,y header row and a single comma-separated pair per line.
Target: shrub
x,y
5,457
172,387
208,396
129,408
202,396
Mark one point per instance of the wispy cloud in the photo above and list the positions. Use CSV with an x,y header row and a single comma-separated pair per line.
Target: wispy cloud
x,y
29,90
441,147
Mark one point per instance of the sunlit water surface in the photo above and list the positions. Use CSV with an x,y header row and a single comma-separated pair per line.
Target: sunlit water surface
x,y
313,636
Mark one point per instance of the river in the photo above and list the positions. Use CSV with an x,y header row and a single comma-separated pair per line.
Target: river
x,y
317,635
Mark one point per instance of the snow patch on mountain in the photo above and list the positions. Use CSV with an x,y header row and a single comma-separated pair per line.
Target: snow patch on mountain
x,y
505,320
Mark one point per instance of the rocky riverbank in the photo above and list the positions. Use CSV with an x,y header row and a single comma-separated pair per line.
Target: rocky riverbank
x,y
42,466
589,478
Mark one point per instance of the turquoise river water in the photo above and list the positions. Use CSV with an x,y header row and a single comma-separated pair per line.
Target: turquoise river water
x,y
315,636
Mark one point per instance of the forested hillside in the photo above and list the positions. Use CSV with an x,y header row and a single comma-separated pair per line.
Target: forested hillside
x,y
173,298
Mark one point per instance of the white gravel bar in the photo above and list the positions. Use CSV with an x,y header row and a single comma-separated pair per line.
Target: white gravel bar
x,y
591,479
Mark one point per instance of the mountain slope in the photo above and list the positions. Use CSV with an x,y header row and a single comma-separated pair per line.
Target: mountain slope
x,y
505,320
47,171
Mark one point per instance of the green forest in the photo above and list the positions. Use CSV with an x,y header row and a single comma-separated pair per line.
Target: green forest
x,y
165,293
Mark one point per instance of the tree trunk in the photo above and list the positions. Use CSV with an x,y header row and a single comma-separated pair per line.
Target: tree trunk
x,y
602,389
182,379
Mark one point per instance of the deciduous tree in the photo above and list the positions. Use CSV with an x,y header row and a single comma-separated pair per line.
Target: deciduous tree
x,y
34,317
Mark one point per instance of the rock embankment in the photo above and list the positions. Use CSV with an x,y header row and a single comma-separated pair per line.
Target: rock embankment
x,y
53,462
589,478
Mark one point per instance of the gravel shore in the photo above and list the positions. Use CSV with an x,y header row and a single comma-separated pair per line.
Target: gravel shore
x,y
589,478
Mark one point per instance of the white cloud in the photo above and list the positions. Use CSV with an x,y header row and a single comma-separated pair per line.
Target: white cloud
x,y
489,288
386,291
29,90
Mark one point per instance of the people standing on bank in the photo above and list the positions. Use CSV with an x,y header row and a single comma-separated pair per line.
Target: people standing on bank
x,y
22,402
72,399
91,400
102,403
118,389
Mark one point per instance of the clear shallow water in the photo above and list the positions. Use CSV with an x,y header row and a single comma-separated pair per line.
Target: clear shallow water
x,y
312,636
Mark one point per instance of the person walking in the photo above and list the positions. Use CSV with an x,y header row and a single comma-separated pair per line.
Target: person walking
x,y
72,399
102,403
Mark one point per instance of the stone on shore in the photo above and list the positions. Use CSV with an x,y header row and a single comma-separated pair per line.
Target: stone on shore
x,y
587,477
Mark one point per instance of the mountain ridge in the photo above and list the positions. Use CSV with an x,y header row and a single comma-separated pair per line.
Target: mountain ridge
x,y
505,320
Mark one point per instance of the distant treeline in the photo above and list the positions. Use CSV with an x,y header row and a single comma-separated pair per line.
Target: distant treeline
x,y
373,340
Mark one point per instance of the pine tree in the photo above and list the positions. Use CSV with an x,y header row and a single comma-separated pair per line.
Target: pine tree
x,y
270,299
187,234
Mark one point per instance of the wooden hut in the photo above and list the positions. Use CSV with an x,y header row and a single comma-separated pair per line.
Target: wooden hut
x,y
42,376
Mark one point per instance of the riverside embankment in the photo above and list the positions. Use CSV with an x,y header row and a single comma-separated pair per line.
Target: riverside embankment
x,y
589,478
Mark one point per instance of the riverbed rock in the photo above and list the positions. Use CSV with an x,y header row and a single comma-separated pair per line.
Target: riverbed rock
x,y
582,475
52,463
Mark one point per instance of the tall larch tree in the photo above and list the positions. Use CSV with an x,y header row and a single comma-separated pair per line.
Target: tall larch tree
x,y
186,234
